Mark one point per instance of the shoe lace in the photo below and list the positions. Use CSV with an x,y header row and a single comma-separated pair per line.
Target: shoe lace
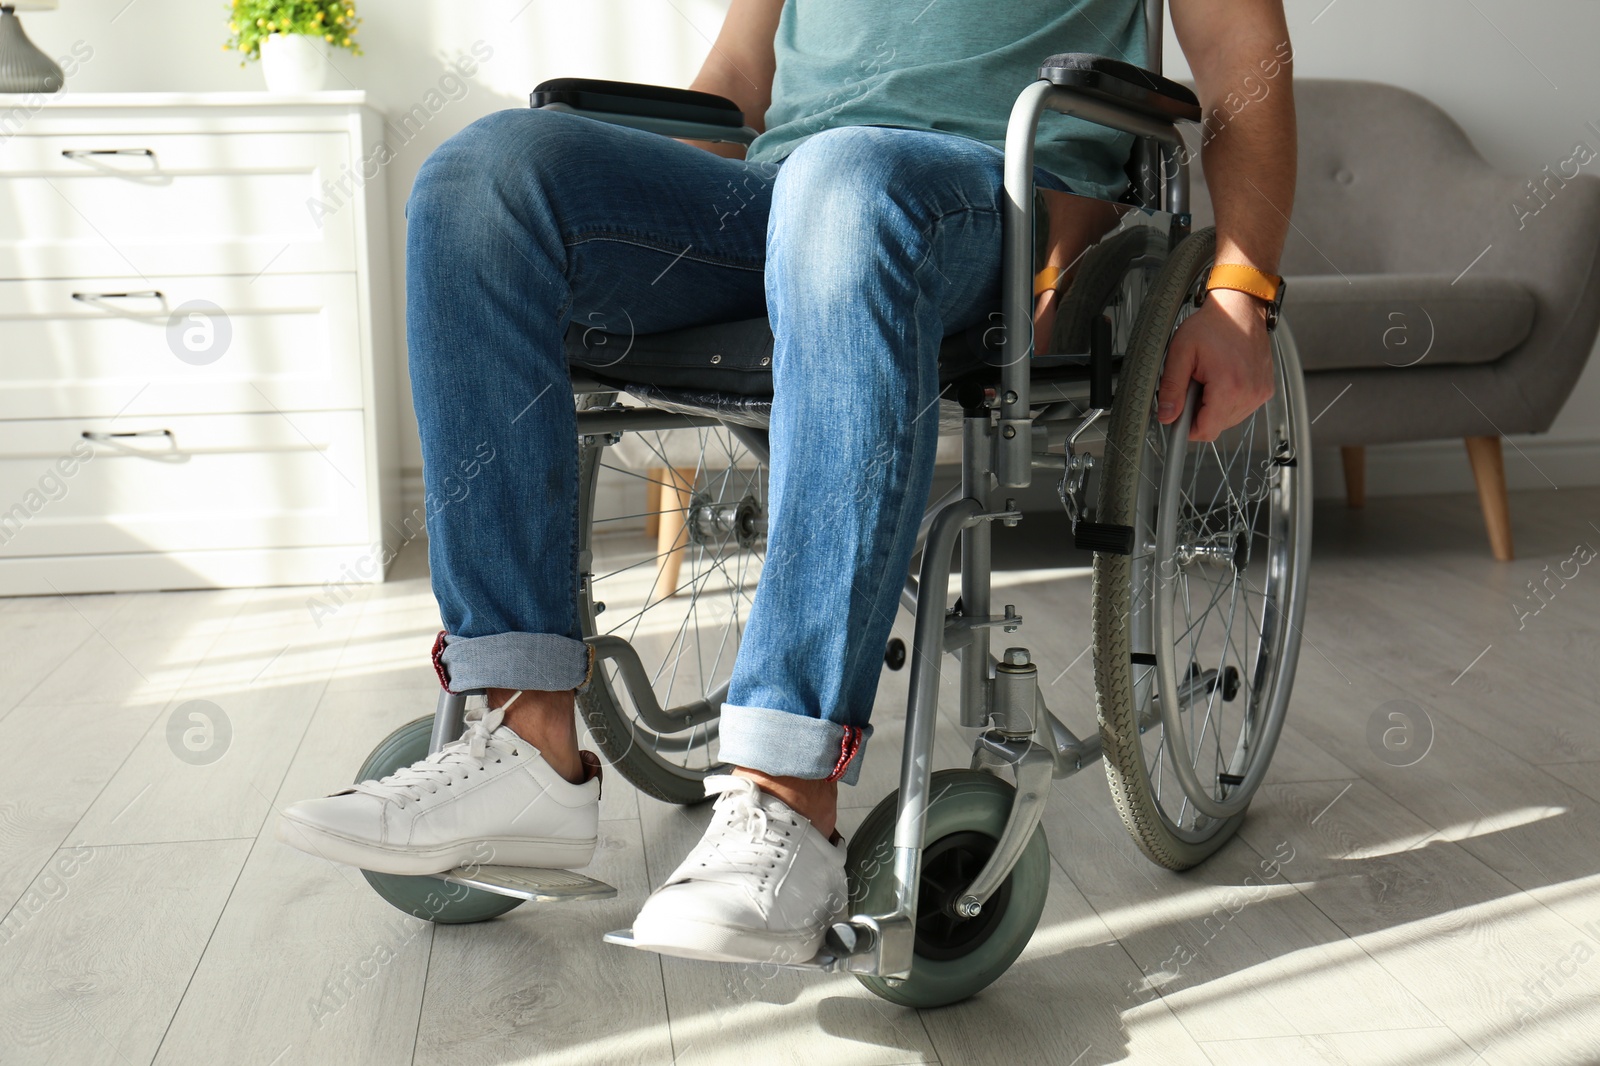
x,y
752,836
455,761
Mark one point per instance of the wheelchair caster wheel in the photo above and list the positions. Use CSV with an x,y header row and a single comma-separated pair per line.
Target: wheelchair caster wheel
x,y
427,898
955,956
894,656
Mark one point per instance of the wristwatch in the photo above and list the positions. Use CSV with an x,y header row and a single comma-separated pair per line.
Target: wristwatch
x,y
1268,288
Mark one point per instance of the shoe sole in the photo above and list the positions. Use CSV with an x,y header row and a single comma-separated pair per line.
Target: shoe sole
x,y
692,939
418,862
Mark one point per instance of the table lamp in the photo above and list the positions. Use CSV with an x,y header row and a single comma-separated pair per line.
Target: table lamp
x,y
23,68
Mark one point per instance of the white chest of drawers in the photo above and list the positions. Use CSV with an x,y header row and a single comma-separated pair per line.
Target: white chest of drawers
x,y
197,377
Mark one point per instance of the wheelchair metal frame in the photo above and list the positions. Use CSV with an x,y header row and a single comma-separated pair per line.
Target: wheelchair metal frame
x,y
999,444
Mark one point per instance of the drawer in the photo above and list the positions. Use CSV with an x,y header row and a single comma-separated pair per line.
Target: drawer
x,y
182,483
229,203
103,346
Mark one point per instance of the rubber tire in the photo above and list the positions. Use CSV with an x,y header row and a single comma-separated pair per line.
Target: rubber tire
x,y
965,800
427,898
1122,743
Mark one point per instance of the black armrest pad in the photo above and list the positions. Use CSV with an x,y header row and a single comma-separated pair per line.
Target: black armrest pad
x,y
631,98
1121,83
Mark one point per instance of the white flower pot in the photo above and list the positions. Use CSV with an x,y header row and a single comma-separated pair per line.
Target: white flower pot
x,y
294,62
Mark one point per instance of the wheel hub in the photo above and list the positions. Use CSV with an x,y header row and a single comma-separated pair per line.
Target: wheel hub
x,y
1214,547
949,866
713,523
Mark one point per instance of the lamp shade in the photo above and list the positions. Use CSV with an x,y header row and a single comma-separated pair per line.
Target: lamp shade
x,y
31,5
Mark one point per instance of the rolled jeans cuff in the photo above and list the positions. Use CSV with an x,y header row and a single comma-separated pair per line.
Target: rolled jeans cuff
x,y
527,662
791,745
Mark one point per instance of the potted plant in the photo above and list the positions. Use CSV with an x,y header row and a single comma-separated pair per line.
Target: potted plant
x,y
292,38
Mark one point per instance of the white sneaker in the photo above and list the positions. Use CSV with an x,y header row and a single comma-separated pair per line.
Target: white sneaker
x,y
488,799
762,885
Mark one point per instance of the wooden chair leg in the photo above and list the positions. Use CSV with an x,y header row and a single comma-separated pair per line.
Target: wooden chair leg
x,y
1489,470
652,499
1355,475
672,536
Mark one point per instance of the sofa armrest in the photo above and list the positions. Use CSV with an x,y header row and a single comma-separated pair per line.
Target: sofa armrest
x,y
655,108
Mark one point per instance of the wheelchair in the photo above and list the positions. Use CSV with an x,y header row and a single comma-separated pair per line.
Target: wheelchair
x,y
1199,576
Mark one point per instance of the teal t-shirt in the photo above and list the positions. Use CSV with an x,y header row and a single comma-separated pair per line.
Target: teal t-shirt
x,y
953,66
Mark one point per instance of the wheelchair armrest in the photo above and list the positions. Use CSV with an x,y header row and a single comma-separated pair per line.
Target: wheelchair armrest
x,y
655,108
1122,84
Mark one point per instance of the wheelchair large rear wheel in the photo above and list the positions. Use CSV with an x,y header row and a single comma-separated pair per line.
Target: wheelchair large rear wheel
x,y
682,610
1197,632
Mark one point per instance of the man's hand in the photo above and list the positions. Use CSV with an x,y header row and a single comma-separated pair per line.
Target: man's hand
x,y
1224,346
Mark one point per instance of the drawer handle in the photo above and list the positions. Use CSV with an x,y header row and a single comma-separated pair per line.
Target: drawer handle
x,y
115,440
90,434
79,153
147,294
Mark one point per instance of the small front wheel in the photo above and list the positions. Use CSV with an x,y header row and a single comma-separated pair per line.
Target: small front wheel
x,y
427,898
955,957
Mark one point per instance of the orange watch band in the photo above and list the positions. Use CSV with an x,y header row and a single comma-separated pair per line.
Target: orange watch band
x,y
1247,279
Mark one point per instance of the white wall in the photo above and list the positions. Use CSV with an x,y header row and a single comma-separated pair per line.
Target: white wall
x,y
1520,78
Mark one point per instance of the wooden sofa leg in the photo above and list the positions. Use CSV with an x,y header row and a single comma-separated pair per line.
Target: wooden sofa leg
x,y
1489,470
652,499
672,535
1355,475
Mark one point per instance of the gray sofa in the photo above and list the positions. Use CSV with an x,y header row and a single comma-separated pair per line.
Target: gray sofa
x,y
1430,295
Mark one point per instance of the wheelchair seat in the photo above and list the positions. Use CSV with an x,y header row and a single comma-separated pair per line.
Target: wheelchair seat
x,y
730,363
728,357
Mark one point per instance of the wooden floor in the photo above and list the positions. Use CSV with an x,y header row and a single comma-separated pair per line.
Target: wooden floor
x,y
1446,911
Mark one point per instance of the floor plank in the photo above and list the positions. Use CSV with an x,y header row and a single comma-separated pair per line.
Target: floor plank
x,y
96,973
42,800
307,963
1455,934
538,986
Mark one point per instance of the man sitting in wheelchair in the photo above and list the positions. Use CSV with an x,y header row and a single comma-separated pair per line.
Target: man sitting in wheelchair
x,y
866,223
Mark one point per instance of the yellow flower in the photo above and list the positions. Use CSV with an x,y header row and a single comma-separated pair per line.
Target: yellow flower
x,y
318,17
328,37
261,22
347,42
233,27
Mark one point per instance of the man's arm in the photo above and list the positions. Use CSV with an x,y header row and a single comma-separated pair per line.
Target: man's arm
x,y
741,66
1240,55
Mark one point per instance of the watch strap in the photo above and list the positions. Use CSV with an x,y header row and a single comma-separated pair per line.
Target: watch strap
x,y
1246,279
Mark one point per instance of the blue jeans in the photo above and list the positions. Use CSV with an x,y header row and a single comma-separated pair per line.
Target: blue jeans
x,y
866,247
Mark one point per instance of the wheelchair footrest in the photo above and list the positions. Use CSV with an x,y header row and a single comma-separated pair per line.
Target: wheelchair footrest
x,y
824,961
1102,537
541,886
